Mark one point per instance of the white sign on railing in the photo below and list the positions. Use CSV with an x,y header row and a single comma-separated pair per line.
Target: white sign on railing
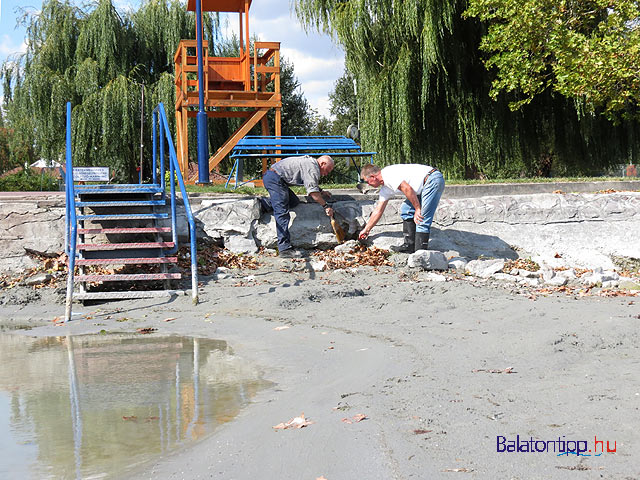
x,y
90,174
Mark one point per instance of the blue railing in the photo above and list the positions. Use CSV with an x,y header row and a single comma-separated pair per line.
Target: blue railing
x,y
162,136
71,223
161,141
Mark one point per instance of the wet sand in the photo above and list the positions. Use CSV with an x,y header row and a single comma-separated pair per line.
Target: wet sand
x,y
441,370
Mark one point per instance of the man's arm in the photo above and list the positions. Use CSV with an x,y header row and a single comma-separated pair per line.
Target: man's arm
x,y
405,188
318,197
373,219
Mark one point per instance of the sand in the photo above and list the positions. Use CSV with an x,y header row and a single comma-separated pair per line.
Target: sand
x,y
441,370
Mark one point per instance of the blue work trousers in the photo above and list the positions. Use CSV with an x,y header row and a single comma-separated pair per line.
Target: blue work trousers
x,y
281,200
429,199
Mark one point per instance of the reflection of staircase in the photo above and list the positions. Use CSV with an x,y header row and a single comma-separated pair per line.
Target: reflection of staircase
x,y
119,227
115,234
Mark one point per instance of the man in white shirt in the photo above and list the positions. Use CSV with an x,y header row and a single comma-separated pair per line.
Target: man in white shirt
x,y
422,185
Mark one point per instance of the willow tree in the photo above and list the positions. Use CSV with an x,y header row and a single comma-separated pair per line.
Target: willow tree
x,y
423,94
98,59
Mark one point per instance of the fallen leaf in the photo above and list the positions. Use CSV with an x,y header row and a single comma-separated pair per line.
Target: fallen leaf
x,y
170,319
419,431
131,418
355,419
146,330
493,370
296,422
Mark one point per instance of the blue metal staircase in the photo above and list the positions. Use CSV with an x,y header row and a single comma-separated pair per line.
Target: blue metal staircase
x,y
124,228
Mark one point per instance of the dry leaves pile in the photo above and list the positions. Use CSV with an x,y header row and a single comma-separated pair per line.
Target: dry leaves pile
x,y
522,264
210,257
52,264
361,256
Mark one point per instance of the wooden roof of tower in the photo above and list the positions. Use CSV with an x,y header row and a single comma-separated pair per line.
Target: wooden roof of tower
x,y
219,5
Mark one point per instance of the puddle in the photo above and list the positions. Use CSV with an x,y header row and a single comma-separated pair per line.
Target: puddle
x,y
99,405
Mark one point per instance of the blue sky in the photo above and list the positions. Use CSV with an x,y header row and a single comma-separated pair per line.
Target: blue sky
x,y
317,62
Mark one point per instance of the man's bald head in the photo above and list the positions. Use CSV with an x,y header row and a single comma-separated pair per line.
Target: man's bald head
x,y
326,164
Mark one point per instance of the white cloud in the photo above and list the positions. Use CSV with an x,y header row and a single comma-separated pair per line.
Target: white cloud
x,y
8,47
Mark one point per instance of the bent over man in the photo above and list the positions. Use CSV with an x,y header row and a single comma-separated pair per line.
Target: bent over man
x,y
289,171
422,185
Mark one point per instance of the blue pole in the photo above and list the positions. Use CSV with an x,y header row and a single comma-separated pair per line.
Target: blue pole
x,y
203,144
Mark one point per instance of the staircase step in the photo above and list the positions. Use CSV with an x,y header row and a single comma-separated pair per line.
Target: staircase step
x,y
127,294
127,277
125,261
102,189
123,246
97,231
124,216
113,203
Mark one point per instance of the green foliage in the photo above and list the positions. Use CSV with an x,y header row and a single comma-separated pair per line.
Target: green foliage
x,y
588,50
423,93
28,181
97,59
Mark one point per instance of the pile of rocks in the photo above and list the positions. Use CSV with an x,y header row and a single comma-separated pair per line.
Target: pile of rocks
x,y
551,271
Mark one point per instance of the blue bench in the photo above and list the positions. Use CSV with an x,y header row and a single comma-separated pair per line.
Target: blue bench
x,y
266,147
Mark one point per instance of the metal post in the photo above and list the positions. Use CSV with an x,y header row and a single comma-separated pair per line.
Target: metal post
x,y
203,143
141,130
72,227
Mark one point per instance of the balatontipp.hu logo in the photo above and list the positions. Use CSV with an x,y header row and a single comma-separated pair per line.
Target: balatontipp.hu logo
x,y
561,446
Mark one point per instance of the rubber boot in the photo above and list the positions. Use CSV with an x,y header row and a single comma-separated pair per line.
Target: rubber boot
x,y
422,241
409,237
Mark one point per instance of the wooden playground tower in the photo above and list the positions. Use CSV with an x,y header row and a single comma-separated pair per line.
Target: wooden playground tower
x,y
234,87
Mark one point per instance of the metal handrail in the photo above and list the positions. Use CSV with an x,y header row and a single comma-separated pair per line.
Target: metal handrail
x,y
164,133
160,132
71,223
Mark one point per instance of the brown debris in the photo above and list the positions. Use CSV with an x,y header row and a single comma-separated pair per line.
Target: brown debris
x,y
210,257
146,330
54,264
522,264
574,467
504,370
361,256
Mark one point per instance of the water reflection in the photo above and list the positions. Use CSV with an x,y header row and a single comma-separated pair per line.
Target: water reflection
x,y
73,407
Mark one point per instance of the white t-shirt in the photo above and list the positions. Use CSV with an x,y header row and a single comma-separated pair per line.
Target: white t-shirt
x,y
394,175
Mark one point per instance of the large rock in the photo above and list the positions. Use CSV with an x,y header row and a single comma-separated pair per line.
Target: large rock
x,y
485,268
37,226
428,260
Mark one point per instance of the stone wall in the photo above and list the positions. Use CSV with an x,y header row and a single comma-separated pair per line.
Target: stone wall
x,y
586,228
